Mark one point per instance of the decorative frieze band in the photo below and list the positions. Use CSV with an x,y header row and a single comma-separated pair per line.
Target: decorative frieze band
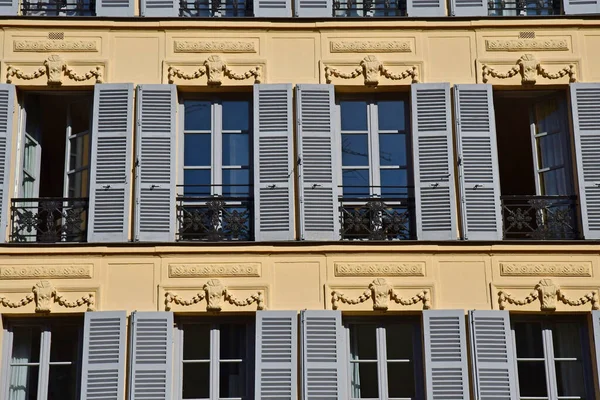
x,y
209,270
381,292
527,45
83,271
44,294
379,269
548,294
214,292
202,46
550,269
55,45
371,46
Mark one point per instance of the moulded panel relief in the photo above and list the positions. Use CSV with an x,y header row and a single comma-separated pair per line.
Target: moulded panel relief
x,y
371,71
44,297
570,269
199,270
371,46
47,271
528,69
215,70
534,44
55,71
352,269
214,46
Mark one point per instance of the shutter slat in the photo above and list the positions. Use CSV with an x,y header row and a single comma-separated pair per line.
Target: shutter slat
x,y
272,8
273,162
103,365
276,355
492,355
159,8
155,169
319,219
111,163
313,8
585,98
7,109
479,178
114,8
426,8
433,161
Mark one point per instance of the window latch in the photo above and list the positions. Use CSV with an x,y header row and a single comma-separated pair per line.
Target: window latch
x,y
154,186
105,186
434,185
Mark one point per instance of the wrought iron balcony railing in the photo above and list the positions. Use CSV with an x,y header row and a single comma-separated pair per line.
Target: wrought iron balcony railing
x,y
369,8
515,8
540,217
215,8
80,8
49,220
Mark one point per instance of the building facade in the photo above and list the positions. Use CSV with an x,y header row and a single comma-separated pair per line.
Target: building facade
x,y
321,199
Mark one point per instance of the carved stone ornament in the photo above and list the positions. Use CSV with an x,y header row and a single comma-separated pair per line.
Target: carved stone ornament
x,y
370,46
54,45
206,270
546,269
215,68
380,291
379,269
529,68
83,271
214,292
548,294
45,294
203,46
371,68
527,45
55,68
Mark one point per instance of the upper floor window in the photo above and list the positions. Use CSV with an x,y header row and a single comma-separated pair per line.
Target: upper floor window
x,y
514,8
369,8
81,8
220,8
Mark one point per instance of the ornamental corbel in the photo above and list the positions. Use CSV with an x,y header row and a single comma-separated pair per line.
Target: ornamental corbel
x,y
55,68
215,69
381,292
45,294
371,68
529,68
215,292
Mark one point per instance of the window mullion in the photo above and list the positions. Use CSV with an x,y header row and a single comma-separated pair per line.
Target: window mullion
x,y
217,127
382,363
44,369
550,365
374,150
214,362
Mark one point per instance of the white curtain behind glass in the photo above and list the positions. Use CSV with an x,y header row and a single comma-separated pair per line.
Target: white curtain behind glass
x,y
21,353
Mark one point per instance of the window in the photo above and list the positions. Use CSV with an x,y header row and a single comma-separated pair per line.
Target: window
x,y
552,359
385,359
221,8
44,360
216,359
362,8
515,8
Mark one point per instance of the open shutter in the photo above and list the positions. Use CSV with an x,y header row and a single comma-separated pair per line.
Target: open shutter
x,y
272,8
7,109
111,163
433,157
492,355
469,8
445,342
103,367
273,162
9,7
318,152
596,329
477,149
323,358
585,100
313,8
151,355
426,8
155,166
276,372
573,7
114,8
159,8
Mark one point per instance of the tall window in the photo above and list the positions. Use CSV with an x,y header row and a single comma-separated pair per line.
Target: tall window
x,y
44,360
385,359
216,359
552,359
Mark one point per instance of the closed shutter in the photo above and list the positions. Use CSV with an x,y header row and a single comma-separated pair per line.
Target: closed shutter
x,y
573,7
272,8
114,8
446,367
319,219
426,8
276,373
103,367
433,156
155,166
9,7
479,177
151,356
111,163
313,8
585,100
7,109
469,8
273,163
159,8
492,355
323,358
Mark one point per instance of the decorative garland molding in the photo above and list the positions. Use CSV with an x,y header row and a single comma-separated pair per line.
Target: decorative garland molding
x,y
379,269
381,292
205,270
214,292
543,269
44,294
371,46
527,45
548,293
529,68
215,69
83,271
371,68
55,68
55,45
203,46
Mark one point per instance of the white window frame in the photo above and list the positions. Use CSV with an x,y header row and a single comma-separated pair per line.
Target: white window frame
x,y
70,137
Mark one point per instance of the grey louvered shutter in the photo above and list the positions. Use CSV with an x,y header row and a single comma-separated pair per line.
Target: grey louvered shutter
x,y
151,355
585,100
492,355
323,358
446,365
573,7
159,8
7,110
426,8
103,366
155,165
313,8
9,7
272,8
110,175
469,8
276,372
479,178
273,163
114,8
433,158
319,219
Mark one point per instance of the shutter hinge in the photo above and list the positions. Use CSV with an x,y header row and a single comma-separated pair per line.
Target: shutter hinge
x,y
137,162
459,161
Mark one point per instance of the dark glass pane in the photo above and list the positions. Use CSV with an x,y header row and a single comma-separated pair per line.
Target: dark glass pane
x,y
197,115
363,342
399,342
236,149
23,383
196,381
364,382
566,338
355,182
570,379
555,183
401,380
532,378
232,380
239,179
64,342
80,116
551,150
197,182
62,382
196,149
196,342
392,149
393,182
233,341
354,115
391,115
80,152
528,336
355,150
26,344
236,115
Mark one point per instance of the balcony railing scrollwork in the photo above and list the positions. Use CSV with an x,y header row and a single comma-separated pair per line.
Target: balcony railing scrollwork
x,y
369,8
47,8
516,8
215,8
